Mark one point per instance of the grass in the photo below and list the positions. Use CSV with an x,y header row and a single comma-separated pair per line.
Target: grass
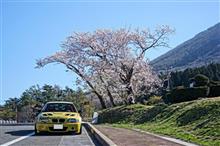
x,y
195,121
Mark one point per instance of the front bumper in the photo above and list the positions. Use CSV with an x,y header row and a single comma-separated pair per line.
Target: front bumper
x,y
49,127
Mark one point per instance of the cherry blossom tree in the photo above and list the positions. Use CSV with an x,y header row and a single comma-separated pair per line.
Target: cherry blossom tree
x,y
112,63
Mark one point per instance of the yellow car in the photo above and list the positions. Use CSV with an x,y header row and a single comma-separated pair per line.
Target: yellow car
x,y
58,116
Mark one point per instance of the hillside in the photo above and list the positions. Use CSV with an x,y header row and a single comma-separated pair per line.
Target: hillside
x,y
195,121
202,49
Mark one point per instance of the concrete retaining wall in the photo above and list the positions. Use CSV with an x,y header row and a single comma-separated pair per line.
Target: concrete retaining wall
x,y
105,141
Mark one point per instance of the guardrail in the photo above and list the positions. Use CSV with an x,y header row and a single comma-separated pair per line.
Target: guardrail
x,y
12,123
7,122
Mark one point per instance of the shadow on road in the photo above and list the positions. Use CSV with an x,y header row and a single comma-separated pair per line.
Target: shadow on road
x,y
55,134
19,132
26,132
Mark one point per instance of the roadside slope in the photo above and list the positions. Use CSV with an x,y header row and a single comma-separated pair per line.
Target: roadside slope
x,y
195,121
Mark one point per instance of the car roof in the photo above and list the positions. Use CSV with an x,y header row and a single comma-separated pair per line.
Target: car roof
x,y
59,102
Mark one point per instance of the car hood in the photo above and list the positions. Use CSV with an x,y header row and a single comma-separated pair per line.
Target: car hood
x,y
60,114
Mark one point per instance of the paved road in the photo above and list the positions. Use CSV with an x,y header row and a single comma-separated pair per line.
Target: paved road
x,y
126,137
23,136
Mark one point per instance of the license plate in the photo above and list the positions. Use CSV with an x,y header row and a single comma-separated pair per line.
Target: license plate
x,y
56,126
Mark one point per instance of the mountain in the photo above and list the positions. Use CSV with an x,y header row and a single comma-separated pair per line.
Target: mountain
x,y
202,49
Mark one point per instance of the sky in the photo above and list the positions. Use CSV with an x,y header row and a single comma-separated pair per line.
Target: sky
x,y
34,29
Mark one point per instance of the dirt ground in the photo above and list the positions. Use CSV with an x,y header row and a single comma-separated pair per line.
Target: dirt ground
x,y
126,137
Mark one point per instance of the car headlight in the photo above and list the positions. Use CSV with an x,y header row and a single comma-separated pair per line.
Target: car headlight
x,y
43,119
72,120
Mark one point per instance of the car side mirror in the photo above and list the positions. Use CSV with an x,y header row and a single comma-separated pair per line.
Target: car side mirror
x,y
37,112
80,112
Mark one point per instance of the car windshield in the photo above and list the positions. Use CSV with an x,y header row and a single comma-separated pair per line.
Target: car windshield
x,y
59,107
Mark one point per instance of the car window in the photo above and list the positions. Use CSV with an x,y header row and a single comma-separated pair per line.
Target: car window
x,y
59,107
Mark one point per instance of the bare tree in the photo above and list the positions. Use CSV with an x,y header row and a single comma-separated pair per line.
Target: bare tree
x,y
112,62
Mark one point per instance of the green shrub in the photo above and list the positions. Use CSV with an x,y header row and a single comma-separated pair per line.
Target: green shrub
x,y
142,99
201,80
185,94
180,87
214,91
214,83
166,97
154,100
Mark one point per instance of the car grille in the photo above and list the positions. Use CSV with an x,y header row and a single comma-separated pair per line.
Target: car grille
x,y
58,120
55,120
61,120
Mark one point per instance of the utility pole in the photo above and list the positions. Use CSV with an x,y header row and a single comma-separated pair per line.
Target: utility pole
x,y
168,72
16,111
168,81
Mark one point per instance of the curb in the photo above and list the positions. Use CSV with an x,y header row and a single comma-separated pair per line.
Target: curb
x,y
178,141
104,140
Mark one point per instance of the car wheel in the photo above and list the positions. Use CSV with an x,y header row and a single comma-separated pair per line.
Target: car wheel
x,y
35,130
80,131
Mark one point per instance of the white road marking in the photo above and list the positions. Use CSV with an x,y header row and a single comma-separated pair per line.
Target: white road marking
x,y
178,141
17,140
61,141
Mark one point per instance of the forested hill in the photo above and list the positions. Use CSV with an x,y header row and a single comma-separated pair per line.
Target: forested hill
x,y
202,49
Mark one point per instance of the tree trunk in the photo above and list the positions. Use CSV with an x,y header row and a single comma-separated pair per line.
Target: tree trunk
x,y
102,102
100,97
108,92
130,95
111,98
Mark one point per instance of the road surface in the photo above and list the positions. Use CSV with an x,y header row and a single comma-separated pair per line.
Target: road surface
x,y
24,136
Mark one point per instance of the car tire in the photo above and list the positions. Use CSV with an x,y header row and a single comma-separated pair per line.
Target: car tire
x,y
80,131
35,130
